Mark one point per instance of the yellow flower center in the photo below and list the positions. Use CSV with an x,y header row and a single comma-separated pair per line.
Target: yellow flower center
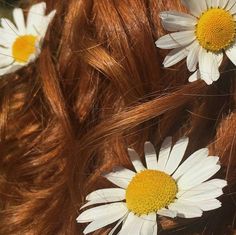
x,y
216,29
23,48
149,191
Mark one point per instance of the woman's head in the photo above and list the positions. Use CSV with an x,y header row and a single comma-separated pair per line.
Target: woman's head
x,y
97,88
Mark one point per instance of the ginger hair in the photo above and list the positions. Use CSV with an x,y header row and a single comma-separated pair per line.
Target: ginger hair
x,y
97,88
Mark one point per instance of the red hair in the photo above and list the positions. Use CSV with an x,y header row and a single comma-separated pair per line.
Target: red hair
x,y
98,88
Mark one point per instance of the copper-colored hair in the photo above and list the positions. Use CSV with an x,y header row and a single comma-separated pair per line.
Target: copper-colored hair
x,y
97,88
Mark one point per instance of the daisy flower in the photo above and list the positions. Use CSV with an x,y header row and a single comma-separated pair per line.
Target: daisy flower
x,y
21,43
162,188
202,37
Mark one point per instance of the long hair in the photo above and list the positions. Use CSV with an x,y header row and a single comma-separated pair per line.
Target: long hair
x,y
97,88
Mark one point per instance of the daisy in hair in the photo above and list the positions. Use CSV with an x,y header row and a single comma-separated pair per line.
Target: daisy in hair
x,y
202,36
163,188
21,42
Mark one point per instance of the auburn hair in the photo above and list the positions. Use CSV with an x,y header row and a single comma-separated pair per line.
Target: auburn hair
x,y
98,88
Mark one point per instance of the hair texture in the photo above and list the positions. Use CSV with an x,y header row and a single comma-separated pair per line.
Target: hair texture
x,y
98,88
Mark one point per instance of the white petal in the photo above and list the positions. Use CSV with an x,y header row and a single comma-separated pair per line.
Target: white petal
x,y
215,3
199,173
206,205
195,76
132,225
175,40
149,222
203,5
7,38
106,193
164,153
5,57
100,223
105,196
209,66
192,59
195,7
150,156
175,56
5,61
155,230
222,3
5,52
219,3
120,177
36,54
185,211
233,10
230,5
176,155
135,159
99,201
10,69
9,26
19,20
203,195
204,191
177,21
208,2
101,212
35,17
210,205
218,183
167,213
118,224
42,28
196,190
231,53
219,58
191,161
105,219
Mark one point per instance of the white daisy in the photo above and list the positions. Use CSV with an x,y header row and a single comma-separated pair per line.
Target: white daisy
x,y
202,37
21,43
162,189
